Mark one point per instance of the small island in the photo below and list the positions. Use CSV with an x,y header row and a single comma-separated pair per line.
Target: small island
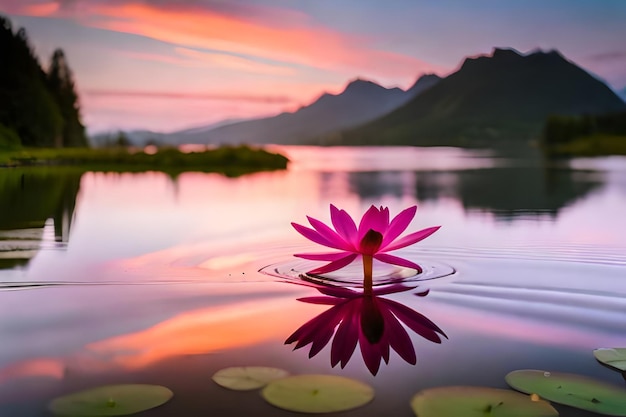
x,y
228,160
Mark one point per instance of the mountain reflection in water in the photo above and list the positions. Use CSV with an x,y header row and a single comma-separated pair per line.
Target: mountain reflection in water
x,y
507,192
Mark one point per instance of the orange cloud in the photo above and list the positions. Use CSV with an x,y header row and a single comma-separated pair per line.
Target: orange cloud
x,y
41,9
298,42
41,367
190,58
201,331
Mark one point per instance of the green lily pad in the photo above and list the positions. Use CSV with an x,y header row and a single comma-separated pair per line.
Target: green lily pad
x,y
244,378
613,357
111,400
317,393
478,402
573,390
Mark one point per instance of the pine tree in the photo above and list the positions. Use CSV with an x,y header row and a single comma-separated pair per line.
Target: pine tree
x,y
26,106
61,85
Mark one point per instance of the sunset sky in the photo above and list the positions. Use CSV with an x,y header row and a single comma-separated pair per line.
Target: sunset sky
x,y
170,64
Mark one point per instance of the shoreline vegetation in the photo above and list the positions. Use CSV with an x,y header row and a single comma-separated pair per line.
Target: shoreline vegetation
x,y
227,160
593,145
587,135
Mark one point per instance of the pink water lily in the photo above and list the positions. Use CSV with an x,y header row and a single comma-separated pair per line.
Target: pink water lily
x,y
375,236
372,322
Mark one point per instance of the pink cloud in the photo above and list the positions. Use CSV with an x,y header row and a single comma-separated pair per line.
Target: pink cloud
x,y
232,62
190,96
31,8
295,41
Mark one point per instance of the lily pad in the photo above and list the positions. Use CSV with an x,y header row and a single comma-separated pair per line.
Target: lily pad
x,y
478,402
573,390
111,400
245,378
613,357
317,393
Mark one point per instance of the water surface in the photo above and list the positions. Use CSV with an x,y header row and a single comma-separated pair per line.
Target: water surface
x,y
113,278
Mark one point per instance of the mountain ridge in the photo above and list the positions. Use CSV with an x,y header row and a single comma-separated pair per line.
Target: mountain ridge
x,y
503,97
361,100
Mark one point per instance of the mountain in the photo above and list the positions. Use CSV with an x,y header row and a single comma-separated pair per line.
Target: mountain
x,y
130,137
622,94
361,101
490,100
205,128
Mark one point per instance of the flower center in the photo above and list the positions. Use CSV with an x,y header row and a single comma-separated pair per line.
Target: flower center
x,y
371,242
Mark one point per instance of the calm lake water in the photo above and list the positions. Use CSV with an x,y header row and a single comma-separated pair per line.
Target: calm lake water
x,y
117,278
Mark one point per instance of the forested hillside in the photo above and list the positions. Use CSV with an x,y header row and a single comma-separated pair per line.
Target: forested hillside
x,y
37,108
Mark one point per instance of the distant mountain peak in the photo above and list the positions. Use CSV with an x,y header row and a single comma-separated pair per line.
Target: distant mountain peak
x,y
512,56
502,98
506,53
549,52
426,78
424,82
361,83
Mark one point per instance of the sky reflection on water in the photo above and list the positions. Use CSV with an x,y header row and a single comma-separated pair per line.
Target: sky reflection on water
x,y
197,223
539,252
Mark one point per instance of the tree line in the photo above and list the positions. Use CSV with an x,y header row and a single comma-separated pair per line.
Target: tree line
x,y
565,129
38,108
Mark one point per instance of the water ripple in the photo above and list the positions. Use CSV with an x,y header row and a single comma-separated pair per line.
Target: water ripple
x,y
352,275
579,253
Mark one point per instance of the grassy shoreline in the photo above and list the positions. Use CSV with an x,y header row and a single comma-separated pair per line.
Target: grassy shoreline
x,y
228,160
593,145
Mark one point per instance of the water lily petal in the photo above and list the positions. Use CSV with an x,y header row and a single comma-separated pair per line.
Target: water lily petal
x,y
315,236
392,289
321,300
332,256
306,332
398,337
333,266
310,330
412,238
344,224
384,218
346,337
327,330
395,260
373,219
384,347
415,321
330,234
398,225
371,354
340,292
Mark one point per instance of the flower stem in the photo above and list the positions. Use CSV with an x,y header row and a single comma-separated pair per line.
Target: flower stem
x,y
368,267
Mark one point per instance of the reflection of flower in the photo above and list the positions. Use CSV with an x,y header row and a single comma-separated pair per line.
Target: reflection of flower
x,y
375,323
374,237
